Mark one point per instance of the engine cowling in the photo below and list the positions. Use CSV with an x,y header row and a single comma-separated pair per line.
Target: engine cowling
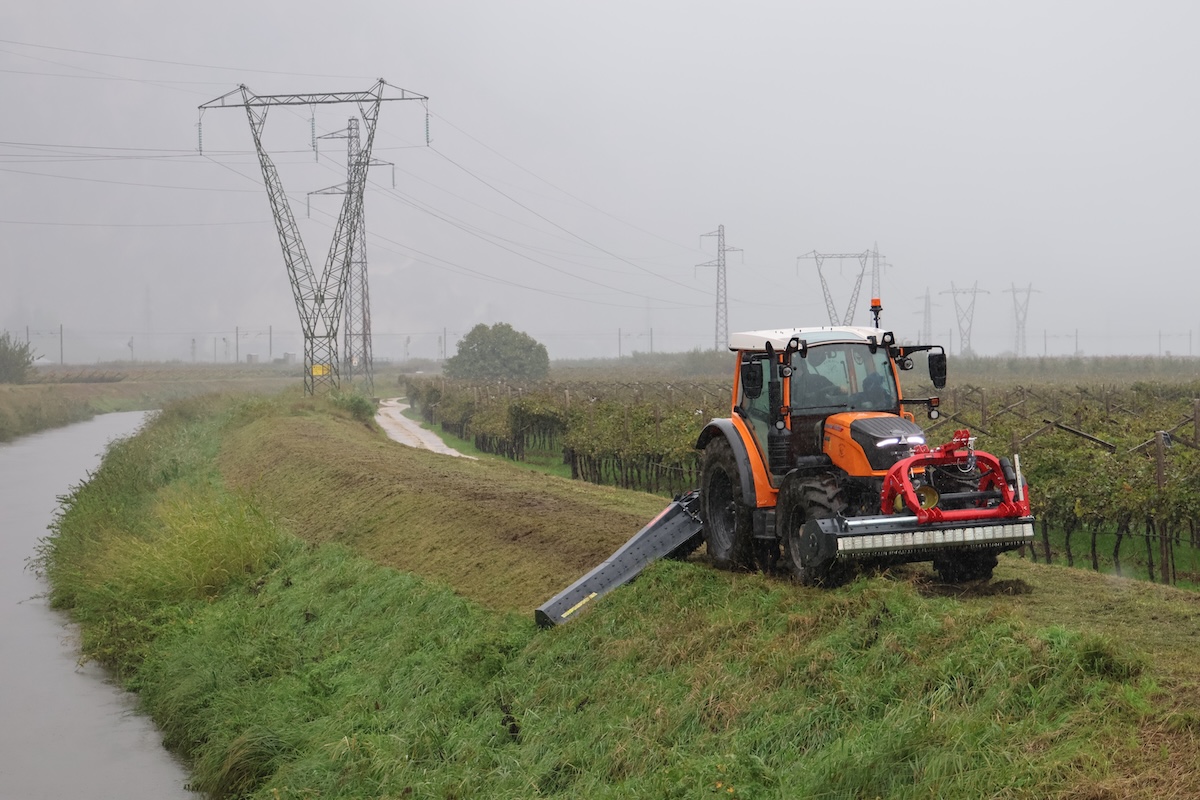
x,y
868,444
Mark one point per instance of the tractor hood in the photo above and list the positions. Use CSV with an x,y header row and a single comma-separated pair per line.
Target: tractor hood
x,y
886,439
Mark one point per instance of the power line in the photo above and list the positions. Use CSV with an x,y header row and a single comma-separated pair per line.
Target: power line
x,y
132,224
557,188
561,228
178,63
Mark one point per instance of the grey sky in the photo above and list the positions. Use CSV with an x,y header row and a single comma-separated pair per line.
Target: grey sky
x,y
578,152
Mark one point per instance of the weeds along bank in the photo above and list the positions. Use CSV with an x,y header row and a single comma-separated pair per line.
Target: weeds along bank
x,y
283,660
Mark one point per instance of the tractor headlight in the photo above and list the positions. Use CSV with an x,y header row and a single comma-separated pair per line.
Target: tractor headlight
x,y
893,441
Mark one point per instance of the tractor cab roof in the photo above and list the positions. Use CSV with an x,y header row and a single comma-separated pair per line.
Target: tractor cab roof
x,y
757,340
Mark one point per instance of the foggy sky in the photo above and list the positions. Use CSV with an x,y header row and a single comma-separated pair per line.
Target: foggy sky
x,y
580,150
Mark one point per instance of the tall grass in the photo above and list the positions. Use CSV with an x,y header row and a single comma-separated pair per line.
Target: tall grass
x,y
332,677
27,409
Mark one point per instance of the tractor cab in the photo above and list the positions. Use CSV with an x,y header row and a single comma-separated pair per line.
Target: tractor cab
x,y
806,393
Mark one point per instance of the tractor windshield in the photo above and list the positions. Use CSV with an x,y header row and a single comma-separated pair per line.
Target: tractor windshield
x,y
843,376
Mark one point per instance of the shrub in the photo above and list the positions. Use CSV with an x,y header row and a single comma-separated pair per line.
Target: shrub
x,y
16,357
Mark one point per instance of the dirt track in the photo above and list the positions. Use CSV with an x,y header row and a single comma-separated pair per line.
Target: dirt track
x,y
400,428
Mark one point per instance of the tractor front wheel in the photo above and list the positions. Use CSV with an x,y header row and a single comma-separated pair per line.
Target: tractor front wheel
x,y
802,499
728,530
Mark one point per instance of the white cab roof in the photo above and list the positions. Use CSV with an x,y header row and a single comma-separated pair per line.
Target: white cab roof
x,y
757,340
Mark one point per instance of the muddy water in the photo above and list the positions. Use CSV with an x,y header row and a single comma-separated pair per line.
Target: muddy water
x,y
65,731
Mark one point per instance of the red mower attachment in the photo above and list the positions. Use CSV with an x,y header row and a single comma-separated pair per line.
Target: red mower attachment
x,y
999,493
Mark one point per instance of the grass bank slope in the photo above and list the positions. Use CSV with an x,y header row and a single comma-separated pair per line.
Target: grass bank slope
x,y
500,534
295,666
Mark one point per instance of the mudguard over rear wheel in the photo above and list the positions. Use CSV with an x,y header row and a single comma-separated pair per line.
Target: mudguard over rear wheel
x,y
728,530
802,499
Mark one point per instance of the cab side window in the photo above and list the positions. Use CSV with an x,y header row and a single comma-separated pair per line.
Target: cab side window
x,y
754,397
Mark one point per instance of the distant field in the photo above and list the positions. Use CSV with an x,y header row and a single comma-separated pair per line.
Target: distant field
x,y
61,395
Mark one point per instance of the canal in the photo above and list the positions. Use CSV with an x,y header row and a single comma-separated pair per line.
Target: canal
x,y
66,731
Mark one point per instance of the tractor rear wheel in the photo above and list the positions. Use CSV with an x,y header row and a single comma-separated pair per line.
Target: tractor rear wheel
x,y
728,530
802,499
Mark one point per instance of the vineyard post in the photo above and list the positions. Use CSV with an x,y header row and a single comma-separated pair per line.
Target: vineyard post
x,y
1160,476
1196,420
1015,446
1160,459
1150,528
1122,529
983,417
1095,555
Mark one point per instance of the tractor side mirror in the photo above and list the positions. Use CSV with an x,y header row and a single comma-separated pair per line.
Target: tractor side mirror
x,y
752,378
937,369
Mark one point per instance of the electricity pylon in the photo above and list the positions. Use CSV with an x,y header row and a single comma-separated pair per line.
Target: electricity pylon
x,y
966,315
721,331
876,263
927,322
319,298
356,333
862,257
1021,309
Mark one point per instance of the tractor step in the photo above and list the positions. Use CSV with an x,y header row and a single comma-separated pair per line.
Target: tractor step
x,y
674,530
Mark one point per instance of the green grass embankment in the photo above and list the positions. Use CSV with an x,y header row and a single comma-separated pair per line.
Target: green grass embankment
x,y
283,661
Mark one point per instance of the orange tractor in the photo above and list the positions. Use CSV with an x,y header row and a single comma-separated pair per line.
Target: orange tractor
x,y
821,465
820,468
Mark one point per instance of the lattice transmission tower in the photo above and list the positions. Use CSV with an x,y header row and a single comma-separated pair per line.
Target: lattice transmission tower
x,y
927,321
319,298
1021,311
862,257
721,329
357,358
877,263
965,313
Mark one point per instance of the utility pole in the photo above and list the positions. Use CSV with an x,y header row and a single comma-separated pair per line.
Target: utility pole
x,y
862,257
1021,309
319,298
721,330
966,314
